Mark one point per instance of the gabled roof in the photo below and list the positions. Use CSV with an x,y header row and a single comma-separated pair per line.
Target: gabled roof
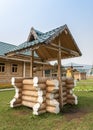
x,y
37,38
5,47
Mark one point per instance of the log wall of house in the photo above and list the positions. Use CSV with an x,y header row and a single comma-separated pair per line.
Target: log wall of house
x,y
5,77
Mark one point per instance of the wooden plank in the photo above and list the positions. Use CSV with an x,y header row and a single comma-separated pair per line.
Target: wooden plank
x,y
31,64
59,77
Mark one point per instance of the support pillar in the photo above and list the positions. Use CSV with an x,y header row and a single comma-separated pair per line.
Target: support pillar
x,y
24,69
59,77
31,64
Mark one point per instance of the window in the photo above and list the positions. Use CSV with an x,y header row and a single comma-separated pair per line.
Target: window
x,y
2,67
14,68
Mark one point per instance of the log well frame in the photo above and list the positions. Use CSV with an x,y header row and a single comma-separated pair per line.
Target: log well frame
x,y
58,46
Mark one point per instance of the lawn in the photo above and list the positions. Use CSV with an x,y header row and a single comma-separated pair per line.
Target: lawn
x,y
78,117
84,85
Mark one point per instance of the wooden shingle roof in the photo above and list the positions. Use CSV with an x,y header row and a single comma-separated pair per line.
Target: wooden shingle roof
x,y
48,40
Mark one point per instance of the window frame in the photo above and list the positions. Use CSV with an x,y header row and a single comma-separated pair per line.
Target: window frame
x,y
2,64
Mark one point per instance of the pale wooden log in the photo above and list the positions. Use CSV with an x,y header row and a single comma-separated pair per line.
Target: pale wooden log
x,y
52,102
39,106
29,98
40,86
39,112
29,87
51,109
16,80
50,95
37,80
28,104
15,101
70,86
19,95
34,93
56,95
28,81
52,89
54,83
34,99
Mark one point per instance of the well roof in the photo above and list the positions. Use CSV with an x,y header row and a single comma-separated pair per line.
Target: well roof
x,y
44,41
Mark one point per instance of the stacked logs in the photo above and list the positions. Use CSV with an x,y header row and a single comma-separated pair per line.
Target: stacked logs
x,y
17,100
71,97
33,94
64,89
52,96
42,94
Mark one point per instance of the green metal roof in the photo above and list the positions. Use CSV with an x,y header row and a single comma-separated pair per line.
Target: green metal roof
x,y
42,38
5,47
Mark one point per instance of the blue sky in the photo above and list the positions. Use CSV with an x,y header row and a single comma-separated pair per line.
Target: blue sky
x,y
18,16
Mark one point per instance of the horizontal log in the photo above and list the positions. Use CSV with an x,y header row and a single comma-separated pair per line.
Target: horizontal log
x,y
52,89
70,81
16,80
16,105
70,96
41,86
37,80
15,101
28,104
29,87
70,86
18,96
51,109
18,85
54,83
69,101
34,93
69,91
52,95
34,99
29,98
38,106
52,102
39,112
28,81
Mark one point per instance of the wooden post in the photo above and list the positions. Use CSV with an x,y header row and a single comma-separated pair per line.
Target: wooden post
x,y
59,77
24,69
31,64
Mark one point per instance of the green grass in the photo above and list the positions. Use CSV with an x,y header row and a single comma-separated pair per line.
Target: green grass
x,y
78,117
84,85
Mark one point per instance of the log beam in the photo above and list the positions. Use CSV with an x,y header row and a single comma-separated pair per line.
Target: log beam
x,y
59,77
